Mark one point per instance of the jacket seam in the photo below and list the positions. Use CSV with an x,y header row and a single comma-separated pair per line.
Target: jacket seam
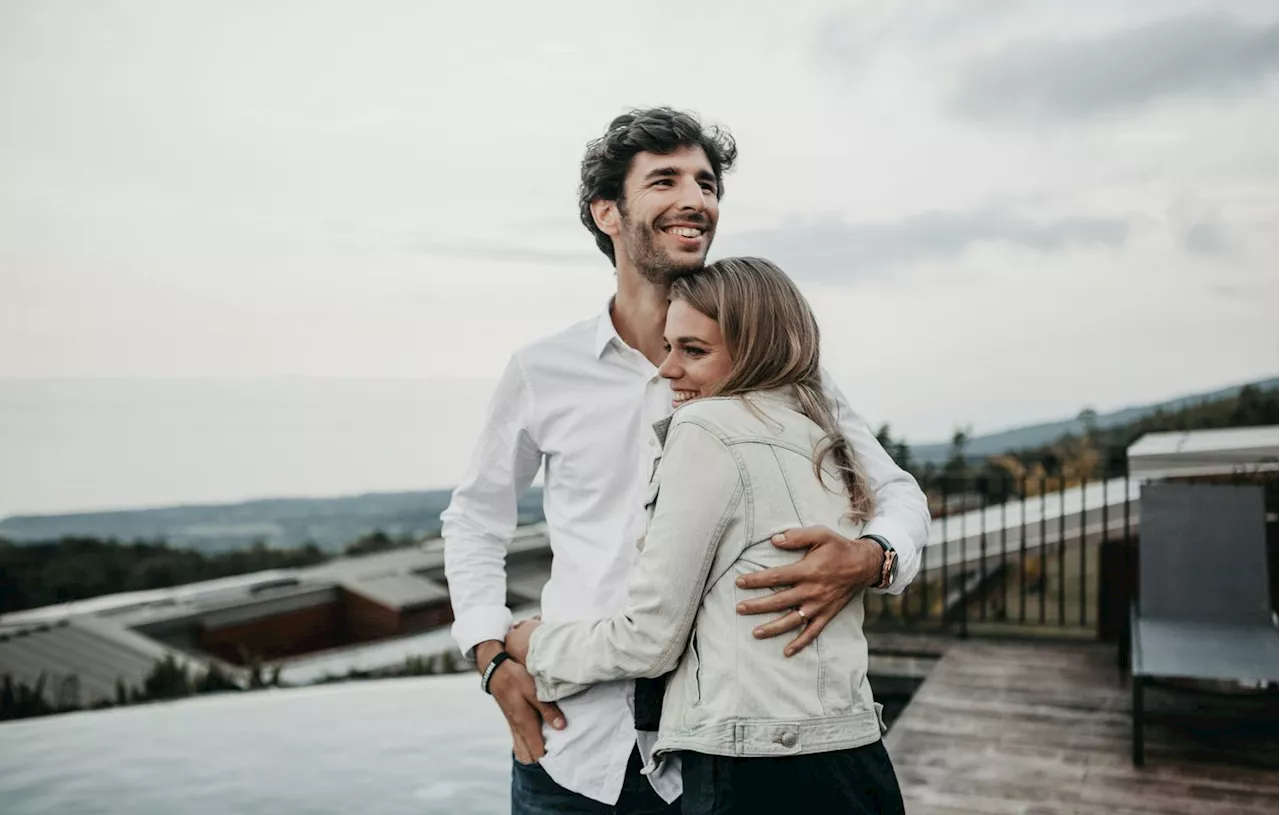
x,y
817,643
690,614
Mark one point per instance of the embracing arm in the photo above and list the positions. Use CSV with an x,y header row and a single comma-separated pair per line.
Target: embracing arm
x,y
835,568
700,491
902,513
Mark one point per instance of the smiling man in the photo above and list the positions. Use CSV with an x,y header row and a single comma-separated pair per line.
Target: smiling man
x,y
582,404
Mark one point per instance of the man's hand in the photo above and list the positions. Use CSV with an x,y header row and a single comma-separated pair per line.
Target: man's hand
x,y
518,639
513,689
819,587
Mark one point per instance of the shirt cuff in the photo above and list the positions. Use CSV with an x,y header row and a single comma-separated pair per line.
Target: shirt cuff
x,y
477,625
889,530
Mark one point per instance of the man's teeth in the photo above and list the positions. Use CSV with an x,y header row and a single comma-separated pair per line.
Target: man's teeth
x,y
685,231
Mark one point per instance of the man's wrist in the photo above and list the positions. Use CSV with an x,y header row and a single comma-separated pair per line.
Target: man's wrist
x,y
485,652
888,562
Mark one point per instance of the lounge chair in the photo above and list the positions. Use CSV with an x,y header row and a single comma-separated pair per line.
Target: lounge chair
x,y
1204,608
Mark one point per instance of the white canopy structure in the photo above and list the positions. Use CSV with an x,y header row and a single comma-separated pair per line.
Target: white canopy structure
x,y
1205,452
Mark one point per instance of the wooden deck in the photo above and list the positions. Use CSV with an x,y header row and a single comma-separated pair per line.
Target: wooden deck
x,y
1043,728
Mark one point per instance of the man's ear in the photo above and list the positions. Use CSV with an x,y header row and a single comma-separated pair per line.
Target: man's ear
x,y
607,217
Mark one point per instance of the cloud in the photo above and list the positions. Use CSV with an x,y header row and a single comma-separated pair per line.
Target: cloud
x,y
1205,238
833,250
508,253
1197,54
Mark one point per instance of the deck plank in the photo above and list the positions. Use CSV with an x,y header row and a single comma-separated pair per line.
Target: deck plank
x,y
1028,728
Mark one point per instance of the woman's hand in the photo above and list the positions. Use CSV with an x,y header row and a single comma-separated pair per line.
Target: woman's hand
x,y
517,644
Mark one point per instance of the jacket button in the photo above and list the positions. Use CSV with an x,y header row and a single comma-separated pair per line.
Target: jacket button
x,y
788,739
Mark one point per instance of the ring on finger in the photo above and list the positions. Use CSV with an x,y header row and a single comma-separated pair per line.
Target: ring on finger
x,y
800,611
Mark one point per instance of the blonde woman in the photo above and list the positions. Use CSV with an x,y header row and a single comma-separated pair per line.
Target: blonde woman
x,y
752,450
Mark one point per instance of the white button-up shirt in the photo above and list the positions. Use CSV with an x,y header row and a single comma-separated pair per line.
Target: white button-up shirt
x,y
582,404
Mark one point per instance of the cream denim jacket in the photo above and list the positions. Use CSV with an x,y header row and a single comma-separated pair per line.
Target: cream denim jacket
x,y
732,474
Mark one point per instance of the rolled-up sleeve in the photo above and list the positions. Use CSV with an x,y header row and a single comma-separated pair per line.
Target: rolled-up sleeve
x,y
481,518
700,488
902,512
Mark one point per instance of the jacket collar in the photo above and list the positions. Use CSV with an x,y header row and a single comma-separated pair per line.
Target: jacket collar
x,y
784,397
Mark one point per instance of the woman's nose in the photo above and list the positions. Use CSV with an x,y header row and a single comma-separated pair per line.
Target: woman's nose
x,y
668,369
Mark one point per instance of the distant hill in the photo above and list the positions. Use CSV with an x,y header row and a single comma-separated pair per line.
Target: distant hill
x,y
1036,435
330,523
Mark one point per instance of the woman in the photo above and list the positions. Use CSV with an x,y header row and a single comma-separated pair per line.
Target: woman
x,y
751,450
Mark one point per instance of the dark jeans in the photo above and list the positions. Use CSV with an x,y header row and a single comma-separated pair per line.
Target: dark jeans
x,y
534,793
859,781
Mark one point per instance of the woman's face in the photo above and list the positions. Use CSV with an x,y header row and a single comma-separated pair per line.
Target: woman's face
x,y
697,357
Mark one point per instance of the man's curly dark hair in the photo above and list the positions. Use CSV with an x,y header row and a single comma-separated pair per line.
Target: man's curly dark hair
x,y
655,130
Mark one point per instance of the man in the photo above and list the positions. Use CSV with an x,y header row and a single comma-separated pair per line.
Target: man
x,y
582,403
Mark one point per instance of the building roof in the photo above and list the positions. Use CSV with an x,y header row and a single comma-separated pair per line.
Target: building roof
x,y
398,591
206,592
96,652
144,607
1205,452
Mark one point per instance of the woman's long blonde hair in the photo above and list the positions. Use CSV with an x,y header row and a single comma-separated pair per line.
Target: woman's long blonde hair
x,y
772,338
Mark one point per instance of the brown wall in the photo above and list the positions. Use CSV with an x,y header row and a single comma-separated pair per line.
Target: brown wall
x,y
366,620
286,634
433,616
349,620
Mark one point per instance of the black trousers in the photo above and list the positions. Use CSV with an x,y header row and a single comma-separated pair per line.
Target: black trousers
x,y
859,781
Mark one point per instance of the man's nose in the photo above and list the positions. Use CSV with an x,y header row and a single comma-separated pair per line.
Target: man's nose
x,y
691,197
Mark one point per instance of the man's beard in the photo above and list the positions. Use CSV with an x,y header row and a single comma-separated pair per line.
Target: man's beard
x,y
654,264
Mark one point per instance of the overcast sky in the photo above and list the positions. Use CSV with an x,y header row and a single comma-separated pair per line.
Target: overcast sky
x,y
1002,211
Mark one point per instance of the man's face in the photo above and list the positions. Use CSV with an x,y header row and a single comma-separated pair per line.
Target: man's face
x,y
668,213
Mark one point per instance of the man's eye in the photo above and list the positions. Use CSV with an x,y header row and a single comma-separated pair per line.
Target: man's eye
x,y
709,188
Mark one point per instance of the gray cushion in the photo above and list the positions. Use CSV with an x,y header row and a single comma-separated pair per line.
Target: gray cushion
x,y
1175,648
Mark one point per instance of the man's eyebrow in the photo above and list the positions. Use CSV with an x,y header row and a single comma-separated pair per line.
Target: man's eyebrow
x,y
671,172
661,172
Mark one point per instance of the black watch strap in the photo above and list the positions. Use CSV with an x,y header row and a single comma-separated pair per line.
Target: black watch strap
x,y
498,659
887,547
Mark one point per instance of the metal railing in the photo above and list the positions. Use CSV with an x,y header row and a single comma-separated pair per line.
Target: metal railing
x,y
1042,556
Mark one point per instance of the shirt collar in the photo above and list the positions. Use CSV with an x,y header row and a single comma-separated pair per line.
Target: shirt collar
x,y
605,331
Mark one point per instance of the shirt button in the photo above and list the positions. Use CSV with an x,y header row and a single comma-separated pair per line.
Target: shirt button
x,y
787,739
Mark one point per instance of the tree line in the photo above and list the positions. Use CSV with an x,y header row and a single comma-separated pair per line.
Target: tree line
x,y
1092,454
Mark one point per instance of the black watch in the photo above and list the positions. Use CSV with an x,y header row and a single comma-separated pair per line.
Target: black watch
x,y
888,566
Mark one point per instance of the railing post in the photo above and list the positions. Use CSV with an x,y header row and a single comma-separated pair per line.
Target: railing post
x,y
982,548
1084,562
1106,535
964,574
946,510
1062,550
1022,558
1044,549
